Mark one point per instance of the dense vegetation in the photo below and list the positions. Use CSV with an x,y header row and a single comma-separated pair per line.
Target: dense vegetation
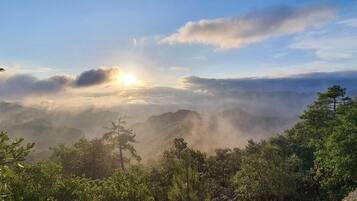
x,y
314,160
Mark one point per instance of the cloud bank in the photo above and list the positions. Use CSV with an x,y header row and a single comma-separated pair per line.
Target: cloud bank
x,y
256,26
22,85
300,83
256,95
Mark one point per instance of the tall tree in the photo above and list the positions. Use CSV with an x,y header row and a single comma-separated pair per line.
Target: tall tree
x,y
122,139
336,161
310,135
322,111
335,96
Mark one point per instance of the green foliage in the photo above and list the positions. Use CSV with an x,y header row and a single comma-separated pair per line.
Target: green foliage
x,y
12,151
131,185
221,168
319,119
35,182
187,184
79,189
268,173
181,174
336,161
92,158
44,181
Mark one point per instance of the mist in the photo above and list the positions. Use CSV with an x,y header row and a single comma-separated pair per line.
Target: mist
x,y
208,113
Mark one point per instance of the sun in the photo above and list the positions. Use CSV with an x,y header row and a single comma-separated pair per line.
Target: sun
x,y
128,79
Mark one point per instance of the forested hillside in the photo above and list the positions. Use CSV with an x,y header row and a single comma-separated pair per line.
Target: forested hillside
x,y
316,159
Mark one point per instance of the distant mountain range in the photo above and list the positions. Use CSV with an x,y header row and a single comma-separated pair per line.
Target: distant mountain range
x,y
203,131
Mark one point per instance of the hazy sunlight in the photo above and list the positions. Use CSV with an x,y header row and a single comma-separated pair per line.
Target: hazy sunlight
x,y
128,79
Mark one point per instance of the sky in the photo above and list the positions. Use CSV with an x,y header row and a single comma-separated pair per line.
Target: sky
x,y
49,44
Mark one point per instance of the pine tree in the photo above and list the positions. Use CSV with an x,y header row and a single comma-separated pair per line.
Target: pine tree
x,y
122,139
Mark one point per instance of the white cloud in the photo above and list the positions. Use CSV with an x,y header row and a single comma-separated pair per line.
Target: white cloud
x,y
329,47
234,32
134,42
350,22
179,69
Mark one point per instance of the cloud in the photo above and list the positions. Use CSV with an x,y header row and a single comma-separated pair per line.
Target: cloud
x,y
95,77
286,96
349,22
256,95
299,83
256,26
23,85
329,46
179,69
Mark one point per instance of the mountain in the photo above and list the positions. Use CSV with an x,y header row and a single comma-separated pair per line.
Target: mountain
x,y
35,125
158,131
229,128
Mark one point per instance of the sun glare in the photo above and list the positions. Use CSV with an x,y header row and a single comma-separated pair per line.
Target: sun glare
x,y
128,80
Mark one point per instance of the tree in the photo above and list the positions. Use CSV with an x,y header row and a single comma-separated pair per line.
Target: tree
x,y
188,168
40,181
335,96
221,168
90,158
187,184
189,181
121,138
79,189
45,181
131,185
322,112
315,160
336,161
268,173
12,152
181,174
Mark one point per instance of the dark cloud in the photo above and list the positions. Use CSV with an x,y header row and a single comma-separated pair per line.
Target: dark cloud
x,y
301,83
23,85
94,77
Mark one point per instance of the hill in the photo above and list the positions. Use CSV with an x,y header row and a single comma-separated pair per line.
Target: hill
x,y
206,132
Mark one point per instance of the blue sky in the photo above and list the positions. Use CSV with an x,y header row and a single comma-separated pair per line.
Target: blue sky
x,y
47,38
